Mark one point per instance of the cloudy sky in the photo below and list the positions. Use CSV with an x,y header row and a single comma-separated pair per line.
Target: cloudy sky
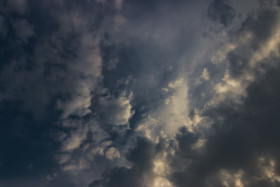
x,y
139,93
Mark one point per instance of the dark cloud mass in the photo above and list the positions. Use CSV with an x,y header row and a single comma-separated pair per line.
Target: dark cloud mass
x,y
246,134
141,157
221,12
123,93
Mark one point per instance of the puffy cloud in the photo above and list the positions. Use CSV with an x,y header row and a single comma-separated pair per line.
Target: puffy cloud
x,y
144,171
112,153
227,152
116,110
247,56
75,139
205,74
231,152
79,104
139,93
170,115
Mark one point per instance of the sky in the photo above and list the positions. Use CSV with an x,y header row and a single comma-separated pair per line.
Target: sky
x,y
139,93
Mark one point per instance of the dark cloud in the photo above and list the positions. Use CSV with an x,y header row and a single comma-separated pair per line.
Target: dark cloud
x,y
261,29
141,158
26,146
243,136
221,12
36,56
98,90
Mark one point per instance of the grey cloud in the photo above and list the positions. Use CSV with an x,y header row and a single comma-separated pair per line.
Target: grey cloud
x,y
3,29
23,30
51,78
242,144
141,157
36,181
243,136
221,12
229,154
18,6
98,90
262,28
116,111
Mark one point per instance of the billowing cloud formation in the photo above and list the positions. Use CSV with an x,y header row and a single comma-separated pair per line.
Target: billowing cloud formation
x,y
139,93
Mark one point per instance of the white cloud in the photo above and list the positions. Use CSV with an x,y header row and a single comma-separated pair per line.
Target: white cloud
x,y
269,169
170,115
112,153
234,88
221,54
231,179
161,169
79,104
203,77
199,144
161,182
96,151
230,88
76,166
85,69
63,158
205,74
117,110
75,139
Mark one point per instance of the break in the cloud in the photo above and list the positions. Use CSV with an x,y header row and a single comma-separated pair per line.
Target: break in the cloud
x,y
139,93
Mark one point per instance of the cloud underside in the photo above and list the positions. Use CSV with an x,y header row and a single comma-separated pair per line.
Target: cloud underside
x,y
140,93
240,147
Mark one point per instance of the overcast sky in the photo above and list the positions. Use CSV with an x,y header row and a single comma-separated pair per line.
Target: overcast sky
x,y
139,93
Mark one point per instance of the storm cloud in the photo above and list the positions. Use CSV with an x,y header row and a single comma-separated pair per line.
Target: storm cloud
x,y
123,93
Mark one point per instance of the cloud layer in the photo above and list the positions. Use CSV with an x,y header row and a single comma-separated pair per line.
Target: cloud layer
x,y
139,93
